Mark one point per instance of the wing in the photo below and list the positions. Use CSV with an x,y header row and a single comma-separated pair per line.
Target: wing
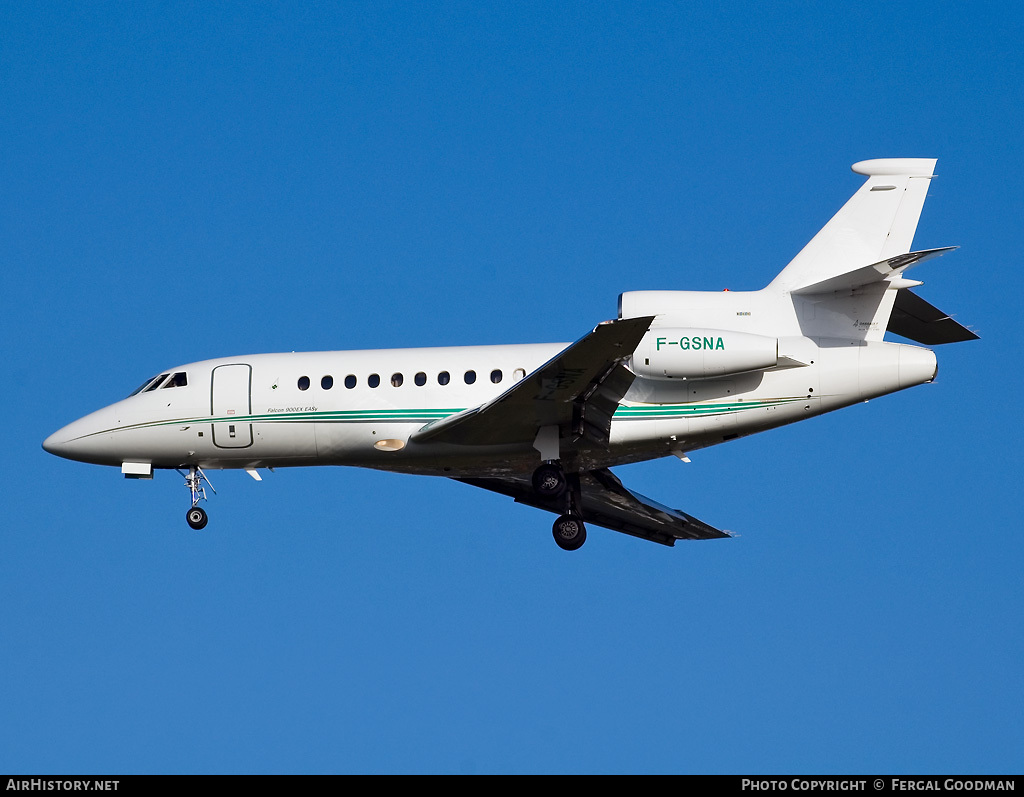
x,y
579,390
606,502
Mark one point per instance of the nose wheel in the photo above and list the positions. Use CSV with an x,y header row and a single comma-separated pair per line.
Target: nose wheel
x,y
197,517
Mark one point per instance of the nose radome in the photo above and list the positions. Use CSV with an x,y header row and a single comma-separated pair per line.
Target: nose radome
x,y
62,442
86,440
56,442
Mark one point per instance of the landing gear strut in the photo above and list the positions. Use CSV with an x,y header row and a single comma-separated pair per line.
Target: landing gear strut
x,y
196,516
550,481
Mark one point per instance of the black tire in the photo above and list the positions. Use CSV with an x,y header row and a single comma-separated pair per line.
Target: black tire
x,y
196,518
549,480
569,532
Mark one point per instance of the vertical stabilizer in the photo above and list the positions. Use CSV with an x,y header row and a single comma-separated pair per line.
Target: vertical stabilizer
x,y
877,222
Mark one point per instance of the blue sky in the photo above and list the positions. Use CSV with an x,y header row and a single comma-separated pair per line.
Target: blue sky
x,y
190,181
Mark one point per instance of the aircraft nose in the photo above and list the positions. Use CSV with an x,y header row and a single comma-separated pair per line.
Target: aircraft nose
x,y
57,442
65,442
86,440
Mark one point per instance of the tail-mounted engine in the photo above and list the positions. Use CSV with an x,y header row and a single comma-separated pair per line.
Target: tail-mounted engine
x,y
679,353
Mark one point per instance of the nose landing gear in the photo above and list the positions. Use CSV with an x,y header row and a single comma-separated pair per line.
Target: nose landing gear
x,y
196,517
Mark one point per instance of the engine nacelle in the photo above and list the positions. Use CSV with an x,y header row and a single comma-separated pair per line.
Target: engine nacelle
x,y
677,353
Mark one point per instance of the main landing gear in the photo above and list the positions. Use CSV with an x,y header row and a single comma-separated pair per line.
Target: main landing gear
x,y
196,516
550,481
569,532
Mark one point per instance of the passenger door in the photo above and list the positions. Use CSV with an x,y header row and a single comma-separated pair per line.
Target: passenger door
x,y
230,396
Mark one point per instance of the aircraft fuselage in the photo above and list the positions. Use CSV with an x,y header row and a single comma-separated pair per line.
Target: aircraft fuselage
x,y
296,409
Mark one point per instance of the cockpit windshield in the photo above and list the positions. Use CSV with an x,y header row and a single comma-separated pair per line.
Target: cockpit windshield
x,y
150,383
179,379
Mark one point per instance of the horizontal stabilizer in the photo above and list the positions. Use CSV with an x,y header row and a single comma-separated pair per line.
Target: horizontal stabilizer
x,y
914,318
876,272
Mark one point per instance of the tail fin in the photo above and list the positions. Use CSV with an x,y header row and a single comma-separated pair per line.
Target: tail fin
x,y
877,223
845,282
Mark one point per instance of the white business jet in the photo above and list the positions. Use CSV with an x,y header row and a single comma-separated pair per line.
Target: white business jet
x,y
675,372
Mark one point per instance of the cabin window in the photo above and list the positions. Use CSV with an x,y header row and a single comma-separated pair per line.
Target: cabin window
x,y
496,375
327,382
470,377
177,380
396,380
444,378
373,380
350,381
303,383
518,374
420,379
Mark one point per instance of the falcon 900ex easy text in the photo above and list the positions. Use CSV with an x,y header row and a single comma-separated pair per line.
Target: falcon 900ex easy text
x,y
676,371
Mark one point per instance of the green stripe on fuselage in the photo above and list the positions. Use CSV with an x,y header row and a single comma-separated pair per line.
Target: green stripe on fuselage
x,y
624,412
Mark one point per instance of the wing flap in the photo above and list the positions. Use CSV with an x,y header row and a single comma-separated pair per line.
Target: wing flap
x,y
593,413
578,389
606,502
